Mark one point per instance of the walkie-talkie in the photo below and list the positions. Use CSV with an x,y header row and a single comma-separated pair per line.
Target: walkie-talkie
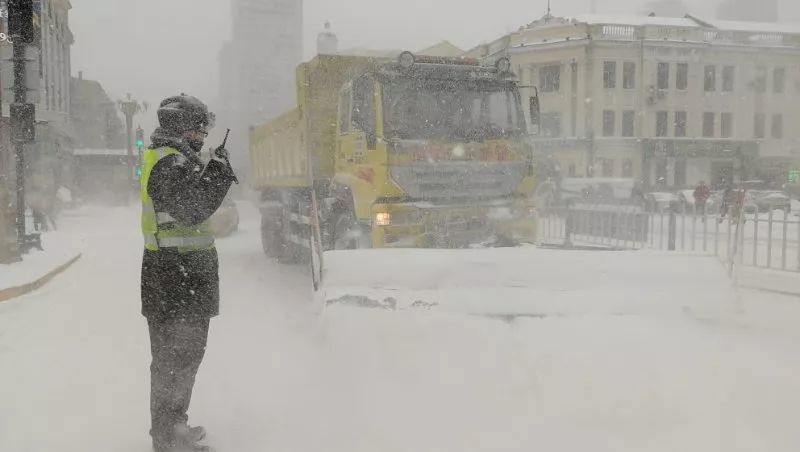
x,y
222,146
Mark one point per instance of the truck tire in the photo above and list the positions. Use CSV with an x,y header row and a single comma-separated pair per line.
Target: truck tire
x,y
271,239
347,233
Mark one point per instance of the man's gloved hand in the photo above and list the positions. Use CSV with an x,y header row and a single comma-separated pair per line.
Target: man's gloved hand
x,y
221,154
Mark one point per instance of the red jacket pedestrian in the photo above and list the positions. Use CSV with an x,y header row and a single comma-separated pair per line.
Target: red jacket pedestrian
x,y
701,195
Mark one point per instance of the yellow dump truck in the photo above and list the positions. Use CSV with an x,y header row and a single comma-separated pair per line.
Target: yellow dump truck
x,y
413,152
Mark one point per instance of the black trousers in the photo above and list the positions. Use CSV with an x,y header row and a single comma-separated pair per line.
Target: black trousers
x,y
177,347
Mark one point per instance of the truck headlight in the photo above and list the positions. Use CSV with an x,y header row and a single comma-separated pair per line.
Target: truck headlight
x,y
383,219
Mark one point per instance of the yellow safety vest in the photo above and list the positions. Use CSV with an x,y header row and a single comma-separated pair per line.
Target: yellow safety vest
x,y
177,236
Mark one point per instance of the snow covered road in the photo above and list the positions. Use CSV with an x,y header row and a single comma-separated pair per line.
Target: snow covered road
x,y
74,366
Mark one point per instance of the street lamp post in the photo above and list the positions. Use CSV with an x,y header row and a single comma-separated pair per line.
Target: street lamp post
x,y
129,108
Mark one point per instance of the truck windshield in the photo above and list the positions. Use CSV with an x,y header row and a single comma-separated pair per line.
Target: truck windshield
x,y
450,110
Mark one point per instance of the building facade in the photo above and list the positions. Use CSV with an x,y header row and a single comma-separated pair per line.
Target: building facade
x,y
52,45
258,64
94,116
45,157
669,101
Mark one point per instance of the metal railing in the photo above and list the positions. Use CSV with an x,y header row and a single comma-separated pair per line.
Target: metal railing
x,y
768,239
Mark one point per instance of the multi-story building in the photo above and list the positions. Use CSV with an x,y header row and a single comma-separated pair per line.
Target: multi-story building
x,y
670,101
327,41
53,40
94,116
258,64
54,134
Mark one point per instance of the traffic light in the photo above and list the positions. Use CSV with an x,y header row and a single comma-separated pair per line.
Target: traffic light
x,y
20,20
139,138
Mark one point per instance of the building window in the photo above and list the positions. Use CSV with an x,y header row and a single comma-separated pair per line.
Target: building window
x,y
628,117
727,125
608,167
680,173
759,128
610,75
363,115
728,79
760,82
663,75
682,77
551,125
708,125
550,79
627,168
661,172
345,109
779,80
661,123
680,124
609,121
777,126
710,78
572,171
629,75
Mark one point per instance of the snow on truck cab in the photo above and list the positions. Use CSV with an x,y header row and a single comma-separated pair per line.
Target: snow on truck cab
x,y
418,152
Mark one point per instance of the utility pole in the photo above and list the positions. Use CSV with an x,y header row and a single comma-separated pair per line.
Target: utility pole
x,y
23,114
130,108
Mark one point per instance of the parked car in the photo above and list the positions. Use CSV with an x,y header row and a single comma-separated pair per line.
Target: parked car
x,y
720,203
660,201
225,221
686,198
771,199
600,191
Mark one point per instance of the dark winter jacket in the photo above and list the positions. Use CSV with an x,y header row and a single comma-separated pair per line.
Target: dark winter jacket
x,y
183,285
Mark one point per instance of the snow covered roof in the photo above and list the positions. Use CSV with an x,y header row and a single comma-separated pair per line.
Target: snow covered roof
x,y
442,49
636,20
687,22
756,27
95,152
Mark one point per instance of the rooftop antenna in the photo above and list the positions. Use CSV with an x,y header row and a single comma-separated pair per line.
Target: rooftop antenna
x,y
548,16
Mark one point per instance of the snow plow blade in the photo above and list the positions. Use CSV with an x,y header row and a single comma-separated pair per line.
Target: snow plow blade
x,y
526,281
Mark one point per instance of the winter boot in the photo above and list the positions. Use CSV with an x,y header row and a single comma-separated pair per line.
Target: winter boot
x,y
187,434
187,439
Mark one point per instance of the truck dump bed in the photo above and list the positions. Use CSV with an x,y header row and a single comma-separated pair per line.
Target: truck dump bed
x,y
285,151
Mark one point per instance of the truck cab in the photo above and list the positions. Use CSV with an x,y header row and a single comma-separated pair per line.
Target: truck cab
x,y
430,152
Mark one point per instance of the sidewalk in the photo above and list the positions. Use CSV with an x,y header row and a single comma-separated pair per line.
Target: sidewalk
x,y
61,250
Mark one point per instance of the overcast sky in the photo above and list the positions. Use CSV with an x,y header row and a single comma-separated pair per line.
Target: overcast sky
x,y
155,48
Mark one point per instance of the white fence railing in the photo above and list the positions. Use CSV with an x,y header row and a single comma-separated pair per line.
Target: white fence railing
x,y
768,239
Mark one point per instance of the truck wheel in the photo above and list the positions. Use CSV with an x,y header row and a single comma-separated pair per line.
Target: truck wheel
x,y
348,234
271,239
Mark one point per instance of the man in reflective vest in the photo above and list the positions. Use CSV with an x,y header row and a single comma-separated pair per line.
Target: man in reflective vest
x,y
180,281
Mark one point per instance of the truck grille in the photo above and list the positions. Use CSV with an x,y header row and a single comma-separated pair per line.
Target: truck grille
x,y
448,180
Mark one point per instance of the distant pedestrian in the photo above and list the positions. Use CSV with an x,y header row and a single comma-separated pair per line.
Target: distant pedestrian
x,y
41,206
701,195
727,196
732,204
